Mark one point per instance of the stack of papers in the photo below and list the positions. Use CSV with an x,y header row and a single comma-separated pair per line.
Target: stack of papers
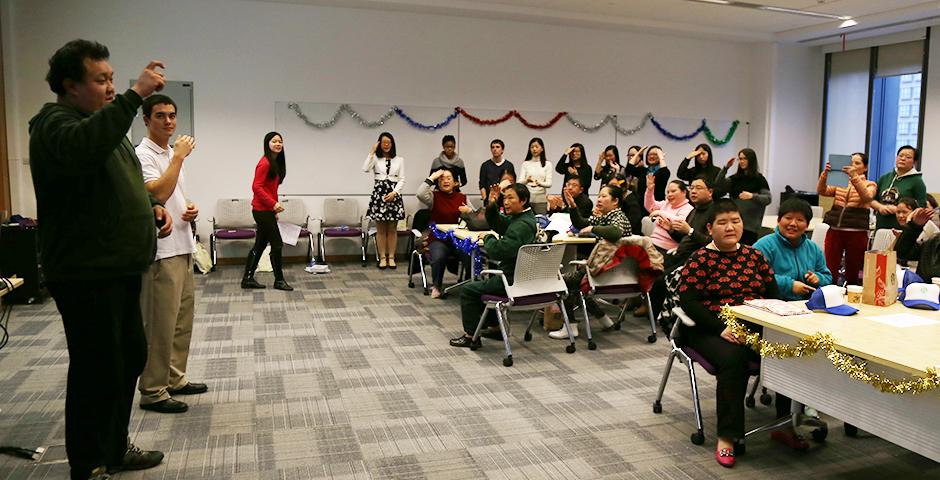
x,y
778,307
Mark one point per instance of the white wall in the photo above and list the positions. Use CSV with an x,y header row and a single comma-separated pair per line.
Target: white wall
x,y
245,56
930,165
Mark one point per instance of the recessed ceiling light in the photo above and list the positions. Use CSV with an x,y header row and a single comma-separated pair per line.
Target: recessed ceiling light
x,y
848,23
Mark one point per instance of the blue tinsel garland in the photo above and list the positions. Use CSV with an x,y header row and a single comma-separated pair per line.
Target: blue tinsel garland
x,y
467,245
673,136
422,126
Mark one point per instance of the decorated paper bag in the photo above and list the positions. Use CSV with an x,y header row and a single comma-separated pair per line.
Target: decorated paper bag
x,y
552,320
880,280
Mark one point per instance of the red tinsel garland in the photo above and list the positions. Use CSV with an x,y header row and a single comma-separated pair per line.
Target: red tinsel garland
x,y
482,121
543,126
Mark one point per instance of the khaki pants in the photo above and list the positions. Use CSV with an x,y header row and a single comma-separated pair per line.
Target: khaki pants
x,y
166,303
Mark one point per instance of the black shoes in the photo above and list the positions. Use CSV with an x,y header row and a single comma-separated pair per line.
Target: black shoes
x,y
465,341
166,406
283,285
136,459
191,388
250,282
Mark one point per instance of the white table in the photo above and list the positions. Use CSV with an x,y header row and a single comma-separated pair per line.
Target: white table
x,y
911,421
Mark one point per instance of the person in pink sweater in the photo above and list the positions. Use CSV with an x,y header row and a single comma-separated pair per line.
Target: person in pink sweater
x,y
676,206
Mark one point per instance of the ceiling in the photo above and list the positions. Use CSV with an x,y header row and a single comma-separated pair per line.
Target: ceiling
x,y
682,16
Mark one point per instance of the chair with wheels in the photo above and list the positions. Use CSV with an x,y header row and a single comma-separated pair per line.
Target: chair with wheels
x,y
537,283
341,219
232,221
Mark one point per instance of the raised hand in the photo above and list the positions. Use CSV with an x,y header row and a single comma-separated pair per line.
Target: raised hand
x,y
730,162
150,80
184,145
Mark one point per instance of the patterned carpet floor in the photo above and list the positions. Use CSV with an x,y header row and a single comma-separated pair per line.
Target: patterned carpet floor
x,y
351,377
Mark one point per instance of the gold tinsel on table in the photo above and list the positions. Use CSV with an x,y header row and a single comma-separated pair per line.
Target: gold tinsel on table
x,y
843,362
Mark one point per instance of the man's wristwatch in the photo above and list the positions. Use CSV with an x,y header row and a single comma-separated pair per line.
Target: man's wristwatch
x,y
690,231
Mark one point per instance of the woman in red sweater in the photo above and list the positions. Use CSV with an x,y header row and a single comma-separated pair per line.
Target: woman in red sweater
x,y
446,205
269,174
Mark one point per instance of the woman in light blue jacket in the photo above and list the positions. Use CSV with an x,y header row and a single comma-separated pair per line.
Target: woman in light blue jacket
x,y
799,264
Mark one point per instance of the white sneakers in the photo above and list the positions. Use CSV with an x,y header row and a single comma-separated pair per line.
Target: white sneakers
x,y
561,334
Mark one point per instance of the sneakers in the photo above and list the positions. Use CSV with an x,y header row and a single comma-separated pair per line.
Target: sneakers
x,y
605,322
562,334
465,341
435,292
137,459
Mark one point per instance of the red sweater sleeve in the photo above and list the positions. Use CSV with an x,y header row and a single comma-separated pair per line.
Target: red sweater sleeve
x,y
264,196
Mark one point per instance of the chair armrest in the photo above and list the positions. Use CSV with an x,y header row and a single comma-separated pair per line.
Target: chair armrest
x,y
213,224
683,317
416,233
502,276
578,262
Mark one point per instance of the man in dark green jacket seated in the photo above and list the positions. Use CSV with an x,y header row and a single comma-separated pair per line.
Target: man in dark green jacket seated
x,y
97,235
516,228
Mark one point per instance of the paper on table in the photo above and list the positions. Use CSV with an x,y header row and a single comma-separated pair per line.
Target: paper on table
x,y
290,233
836,177
903,320
559,222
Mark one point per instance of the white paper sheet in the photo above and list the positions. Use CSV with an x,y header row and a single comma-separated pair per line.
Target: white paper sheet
x,y
903,320
559,222
290,233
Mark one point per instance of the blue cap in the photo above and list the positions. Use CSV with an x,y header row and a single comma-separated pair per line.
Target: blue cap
x,y
922,295
830,299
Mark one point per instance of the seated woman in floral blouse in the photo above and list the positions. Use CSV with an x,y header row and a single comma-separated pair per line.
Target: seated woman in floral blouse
x,y
726,272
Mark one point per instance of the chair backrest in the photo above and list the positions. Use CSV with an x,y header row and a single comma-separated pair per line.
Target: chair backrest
x,y
538,270
819,235
625,273
233,213
295,212
647,226
817,211
421,220
884,239
341,211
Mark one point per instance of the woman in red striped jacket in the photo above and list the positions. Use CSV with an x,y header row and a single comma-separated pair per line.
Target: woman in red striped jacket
x,y
849,218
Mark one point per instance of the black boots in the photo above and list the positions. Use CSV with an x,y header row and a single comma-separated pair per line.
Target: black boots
x,y
277,266
248,280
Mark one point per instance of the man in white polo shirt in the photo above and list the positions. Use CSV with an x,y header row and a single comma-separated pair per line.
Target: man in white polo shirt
x,y
167,299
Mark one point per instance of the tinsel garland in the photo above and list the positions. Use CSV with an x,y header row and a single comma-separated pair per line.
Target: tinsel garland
x,y
843,362
715,140
443,123
673,136
612,119
466,245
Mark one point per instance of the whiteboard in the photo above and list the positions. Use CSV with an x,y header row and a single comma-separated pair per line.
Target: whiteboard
x,y
328,162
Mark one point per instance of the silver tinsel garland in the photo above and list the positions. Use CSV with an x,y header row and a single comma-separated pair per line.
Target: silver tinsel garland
x,y
339,111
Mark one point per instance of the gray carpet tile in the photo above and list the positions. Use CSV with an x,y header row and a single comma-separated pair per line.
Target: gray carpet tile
x,y
351,377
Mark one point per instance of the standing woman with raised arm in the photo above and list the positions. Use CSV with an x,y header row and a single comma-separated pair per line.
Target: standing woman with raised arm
x,y
269,174
608,164
536,173
749,190
849,217
386,207
655,167
703,164
573,164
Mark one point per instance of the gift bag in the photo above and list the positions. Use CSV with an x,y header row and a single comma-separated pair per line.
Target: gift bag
x,y
880,280
551,319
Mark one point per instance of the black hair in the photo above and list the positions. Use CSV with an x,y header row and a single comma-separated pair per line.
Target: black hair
x,y
863,157
391,151
724,205
682,186
751,157
615,192
500,142
522,191
634,147
911,202
451,172
910,147
448,138
931,201
528,155
709,182
68,62
157,99
795,205
278,168
650,149
510,173
581,148
708,150
575,178
613,148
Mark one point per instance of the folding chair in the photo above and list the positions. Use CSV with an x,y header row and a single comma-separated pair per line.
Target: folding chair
x,y
341,219
819,235
690,357
295,212
232,221
537,283
621,282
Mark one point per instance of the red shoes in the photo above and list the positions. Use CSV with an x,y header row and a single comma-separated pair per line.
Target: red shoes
x,y
790,439
725,457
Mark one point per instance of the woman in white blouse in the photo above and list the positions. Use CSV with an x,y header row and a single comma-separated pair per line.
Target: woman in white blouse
x,y
386,207
536,173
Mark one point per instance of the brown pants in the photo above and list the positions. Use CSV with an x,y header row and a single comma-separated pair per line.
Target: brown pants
x,y
166,304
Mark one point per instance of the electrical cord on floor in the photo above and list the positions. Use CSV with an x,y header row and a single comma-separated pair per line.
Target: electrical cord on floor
x,y
28,454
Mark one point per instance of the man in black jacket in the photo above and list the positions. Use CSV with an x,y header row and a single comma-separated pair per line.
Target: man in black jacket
x,y
927,254
97,236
